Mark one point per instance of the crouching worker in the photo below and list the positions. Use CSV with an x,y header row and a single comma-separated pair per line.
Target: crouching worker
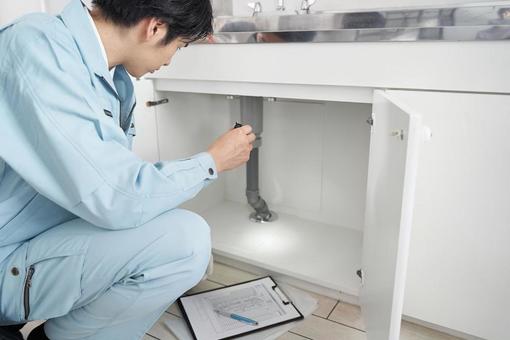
x,y
90,237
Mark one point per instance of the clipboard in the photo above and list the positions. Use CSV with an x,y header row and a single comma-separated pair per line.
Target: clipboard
x,y
259,299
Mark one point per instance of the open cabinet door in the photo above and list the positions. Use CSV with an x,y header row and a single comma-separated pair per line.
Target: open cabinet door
x,y
394,144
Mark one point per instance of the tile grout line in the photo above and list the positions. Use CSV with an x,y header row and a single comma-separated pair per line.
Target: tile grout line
x,y
339,323
333,309
179,316
219,283
300,335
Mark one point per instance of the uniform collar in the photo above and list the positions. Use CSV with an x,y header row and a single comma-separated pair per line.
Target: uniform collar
x,y
76,20
98,37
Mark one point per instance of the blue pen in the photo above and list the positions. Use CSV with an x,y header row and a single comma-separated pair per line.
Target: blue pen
x,y
237,317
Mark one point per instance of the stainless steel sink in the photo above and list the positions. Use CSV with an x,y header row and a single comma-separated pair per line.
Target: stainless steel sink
x,y
450,24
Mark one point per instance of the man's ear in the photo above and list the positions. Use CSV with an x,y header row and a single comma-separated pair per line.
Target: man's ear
x,y
154,30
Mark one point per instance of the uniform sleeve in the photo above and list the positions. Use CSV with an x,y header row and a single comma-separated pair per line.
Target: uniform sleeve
x,y
56,137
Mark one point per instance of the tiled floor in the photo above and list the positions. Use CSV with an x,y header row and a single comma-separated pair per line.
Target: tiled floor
x,y
333,320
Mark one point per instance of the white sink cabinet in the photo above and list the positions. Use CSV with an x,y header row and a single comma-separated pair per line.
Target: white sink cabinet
x,y
418,201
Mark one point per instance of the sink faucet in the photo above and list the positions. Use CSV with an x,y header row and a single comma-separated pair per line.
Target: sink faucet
x,y
256,6
305,6
280,5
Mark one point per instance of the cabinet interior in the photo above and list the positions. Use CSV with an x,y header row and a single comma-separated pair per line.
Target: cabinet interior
x,y
313,173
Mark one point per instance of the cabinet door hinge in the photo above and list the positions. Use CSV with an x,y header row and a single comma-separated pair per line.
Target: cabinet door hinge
x,y
370,121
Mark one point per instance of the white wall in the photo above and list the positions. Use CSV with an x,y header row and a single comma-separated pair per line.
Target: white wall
x,y
55,6
10,10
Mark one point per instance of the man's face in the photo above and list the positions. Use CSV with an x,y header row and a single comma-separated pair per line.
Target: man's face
x,y
151,54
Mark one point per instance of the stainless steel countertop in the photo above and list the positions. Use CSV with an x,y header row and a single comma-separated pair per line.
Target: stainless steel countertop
x,y
469,23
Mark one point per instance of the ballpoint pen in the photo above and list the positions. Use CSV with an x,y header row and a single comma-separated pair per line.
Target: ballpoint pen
x,y
237,317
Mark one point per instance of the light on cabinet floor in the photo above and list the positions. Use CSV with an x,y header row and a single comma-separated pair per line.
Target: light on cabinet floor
x,y
322,254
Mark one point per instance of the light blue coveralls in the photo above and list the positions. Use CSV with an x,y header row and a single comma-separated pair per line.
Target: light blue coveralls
x,y
90,237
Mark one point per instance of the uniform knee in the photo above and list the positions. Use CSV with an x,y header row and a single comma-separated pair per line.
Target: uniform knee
x,y
199,235
194,234
200,243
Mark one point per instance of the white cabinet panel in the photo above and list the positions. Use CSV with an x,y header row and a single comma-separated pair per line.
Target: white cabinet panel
x,y
299,155
145,143
345,164
313,161
187,125
459,272
448,66
395,140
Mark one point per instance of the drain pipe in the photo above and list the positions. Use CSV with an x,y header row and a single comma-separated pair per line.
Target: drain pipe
x,y
251,114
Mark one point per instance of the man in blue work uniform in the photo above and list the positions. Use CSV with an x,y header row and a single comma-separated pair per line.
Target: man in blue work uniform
x,y
90,237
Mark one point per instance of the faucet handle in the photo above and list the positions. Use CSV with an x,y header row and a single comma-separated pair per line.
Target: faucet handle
x,y
280,5
256,7
306,4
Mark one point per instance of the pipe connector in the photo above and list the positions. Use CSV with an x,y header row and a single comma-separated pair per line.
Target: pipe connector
x,y
262,213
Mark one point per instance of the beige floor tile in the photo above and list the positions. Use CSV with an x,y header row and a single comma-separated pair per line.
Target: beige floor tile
x,y
321,329
148,337
291,336
228,275
174,309
313,327
349,315
160,330
411,331
326,305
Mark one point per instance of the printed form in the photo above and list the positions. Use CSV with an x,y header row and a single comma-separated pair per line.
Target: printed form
x,y
256,300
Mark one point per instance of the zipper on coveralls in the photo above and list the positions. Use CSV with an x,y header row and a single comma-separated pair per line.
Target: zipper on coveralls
x,y
26,293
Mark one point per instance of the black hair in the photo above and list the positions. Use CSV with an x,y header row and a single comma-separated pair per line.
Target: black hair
x,y
190,20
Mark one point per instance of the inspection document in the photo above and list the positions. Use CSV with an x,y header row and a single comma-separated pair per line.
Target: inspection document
x,y
260,300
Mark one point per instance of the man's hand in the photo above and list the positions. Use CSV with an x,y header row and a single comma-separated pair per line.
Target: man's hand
x,y
233,148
